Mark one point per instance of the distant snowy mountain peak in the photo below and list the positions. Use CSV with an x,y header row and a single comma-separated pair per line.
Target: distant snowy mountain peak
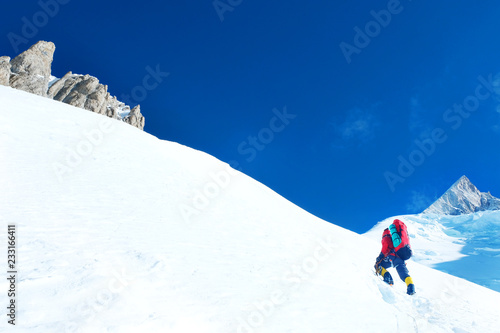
x,y
463,198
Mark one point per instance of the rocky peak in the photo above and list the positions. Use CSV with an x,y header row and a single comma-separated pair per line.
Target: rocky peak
x,y
135,117
463,197
30,71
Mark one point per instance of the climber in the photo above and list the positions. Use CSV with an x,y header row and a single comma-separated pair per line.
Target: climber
x,y
395,251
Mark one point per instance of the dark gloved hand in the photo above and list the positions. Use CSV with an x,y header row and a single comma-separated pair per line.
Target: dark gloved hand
x,y
376,268
378,261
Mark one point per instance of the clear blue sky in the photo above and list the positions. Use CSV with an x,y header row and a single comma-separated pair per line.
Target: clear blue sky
x,y
353,119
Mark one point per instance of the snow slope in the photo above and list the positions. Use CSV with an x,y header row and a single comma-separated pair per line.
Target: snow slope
x,y
119,231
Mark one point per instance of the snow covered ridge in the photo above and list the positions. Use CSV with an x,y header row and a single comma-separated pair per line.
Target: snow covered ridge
x,y
107,250
463,198
31,71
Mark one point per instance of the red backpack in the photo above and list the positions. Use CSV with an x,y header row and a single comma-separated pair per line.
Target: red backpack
x,y
400,239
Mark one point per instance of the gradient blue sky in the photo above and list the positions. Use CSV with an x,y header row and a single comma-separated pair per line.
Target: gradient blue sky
x,y
353,120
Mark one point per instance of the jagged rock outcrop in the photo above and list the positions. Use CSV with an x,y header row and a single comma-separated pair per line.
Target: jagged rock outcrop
x,y
4,71
85,91
82,91
135,117
30,71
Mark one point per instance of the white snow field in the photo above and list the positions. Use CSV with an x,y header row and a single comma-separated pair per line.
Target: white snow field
x,y
118,231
